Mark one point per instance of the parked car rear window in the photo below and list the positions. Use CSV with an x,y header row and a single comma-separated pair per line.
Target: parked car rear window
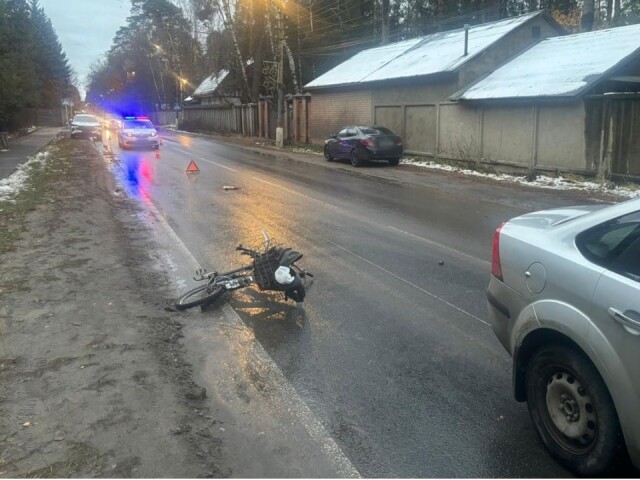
x,y
376,131
86,118
614,245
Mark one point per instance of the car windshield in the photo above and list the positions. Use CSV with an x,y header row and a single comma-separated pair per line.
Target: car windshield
x,y
85,118
138,124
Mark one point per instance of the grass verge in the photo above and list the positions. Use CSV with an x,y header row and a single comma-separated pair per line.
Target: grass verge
x,y
41,181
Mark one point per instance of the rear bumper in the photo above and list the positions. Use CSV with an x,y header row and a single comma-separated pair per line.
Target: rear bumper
x,y
501,310
381,154
86,131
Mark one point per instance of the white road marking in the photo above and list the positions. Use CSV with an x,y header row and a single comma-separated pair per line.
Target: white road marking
x,y
203,159
453,251
298,407
397,277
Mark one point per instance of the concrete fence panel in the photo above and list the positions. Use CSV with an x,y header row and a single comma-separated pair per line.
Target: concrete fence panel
x,y
508,135
420,128
390,117
561,137
459,132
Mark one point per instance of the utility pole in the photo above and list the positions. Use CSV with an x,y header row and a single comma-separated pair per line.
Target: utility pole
x,y
279,123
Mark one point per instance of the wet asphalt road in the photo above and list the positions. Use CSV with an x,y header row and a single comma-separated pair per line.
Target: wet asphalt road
x,y
393,353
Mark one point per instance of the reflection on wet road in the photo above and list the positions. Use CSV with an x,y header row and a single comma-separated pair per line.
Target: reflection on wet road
x,y
392,351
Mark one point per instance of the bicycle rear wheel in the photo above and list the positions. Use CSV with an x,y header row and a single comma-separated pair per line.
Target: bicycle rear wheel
x,y
198,296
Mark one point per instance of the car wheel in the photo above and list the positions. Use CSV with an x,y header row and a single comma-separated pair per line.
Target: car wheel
x,y
327,154
355,160
394,161
572,410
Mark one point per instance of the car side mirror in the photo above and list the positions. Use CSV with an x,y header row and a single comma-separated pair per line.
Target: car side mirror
x,y
334,135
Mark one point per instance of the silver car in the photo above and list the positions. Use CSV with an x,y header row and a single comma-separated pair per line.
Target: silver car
x,y
86,126
564,300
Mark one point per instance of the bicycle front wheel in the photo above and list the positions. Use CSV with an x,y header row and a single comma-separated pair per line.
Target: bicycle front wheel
x,y
200,296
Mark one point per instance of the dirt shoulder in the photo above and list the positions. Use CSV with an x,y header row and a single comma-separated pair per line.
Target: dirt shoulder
x,y
93,380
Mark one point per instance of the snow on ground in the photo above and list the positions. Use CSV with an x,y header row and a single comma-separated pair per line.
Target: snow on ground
x,y
10,186
541,181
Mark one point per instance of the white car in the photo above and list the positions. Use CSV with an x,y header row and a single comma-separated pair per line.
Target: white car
x,y
84,125
137,132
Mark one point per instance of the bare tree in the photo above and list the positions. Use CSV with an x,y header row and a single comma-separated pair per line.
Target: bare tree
x,y
587,18
225,13
385,21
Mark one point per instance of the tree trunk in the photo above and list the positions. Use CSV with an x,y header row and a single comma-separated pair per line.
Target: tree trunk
x,y
609,8
616,12
385,21
292,67
270,30
586,21
225,12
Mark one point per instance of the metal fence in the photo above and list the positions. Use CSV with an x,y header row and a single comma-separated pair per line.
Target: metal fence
x,y
240,119
167,117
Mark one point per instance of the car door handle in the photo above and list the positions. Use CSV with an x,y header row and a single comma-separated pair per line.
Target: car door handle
x,y
623,319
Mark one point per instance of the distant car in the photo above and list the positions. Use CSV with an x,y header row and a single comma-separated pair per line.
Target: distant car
x,y
137,132
361,144
84,125
564,300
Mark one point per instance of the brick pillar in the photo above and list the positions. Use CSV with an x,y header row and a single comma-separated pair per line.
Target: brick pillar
x,y
263,117
297,102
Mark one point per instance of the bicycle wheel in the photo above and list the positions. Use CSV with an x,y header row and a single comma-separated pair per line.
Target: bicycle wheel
x,y
200,295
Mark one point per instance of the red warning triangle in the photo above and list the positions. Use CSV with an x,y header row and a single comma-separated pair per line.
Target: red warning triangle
x,y
192,167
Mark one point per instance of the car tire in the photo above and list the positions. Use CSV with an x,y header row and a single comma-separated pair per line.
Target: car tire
x,y
394,162
327,154
355,160
572,410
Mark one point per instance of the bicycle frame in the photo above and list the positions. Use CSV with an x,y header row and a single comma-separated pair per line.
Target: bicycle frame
x,y
231,280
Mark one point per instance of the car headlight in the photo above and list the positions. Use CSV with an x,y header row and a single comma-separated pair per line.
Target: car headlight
x,y
129,134
153,134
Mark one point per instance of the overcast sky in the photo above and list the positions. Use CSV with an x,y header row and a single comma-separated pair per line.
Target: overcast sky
x,y
85,29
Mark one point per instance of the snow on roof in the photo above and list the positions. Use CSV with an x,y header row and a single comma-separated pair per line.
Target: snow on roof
x,y
435,53
362,64
210,84
559,66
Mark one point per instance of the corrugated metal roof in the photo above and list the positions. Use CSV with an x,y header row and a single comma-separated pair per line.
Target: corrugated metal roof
x,y
210,84
435,53
559,66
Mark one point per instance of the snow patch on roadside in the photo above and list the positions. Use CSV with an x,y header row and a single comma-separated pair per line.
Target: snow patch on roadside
x,y
10,186
306,150
541,181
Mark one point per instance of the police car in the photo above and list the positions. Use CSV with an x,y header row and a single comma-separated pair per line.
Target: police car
x,y
137,132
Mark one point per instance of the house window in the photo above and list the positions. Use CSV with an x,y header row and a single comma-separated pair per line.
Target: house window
x,y
535,32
